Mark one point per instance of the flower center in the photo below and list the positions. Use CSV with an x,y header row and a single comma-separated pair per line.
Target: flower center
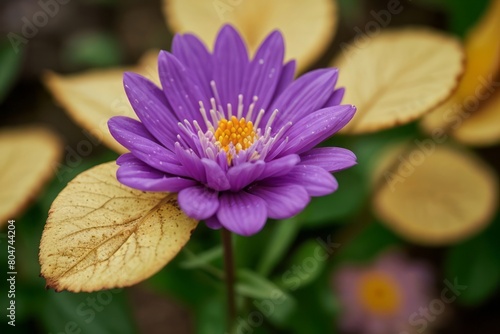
x,y
239,134
235,133
379,293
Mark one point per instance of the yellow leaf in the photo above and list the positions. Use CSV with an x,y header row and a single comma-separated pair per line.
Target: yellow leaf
x,y
92,98
482,128
435,195
29,156
472,113
307,25
101,234
397,76
482,47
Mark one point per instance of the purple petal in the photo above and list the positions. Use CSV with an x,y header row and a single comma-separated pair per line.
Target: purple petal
x,y
280,166
199,202
230,65
191,162
282,202
336,98
287,76
316,180
151,106
264,72
122,124
133,135
242,175
316,127
216,177
332,159
305,95
242,213
213,223
136,174
129,159
195,56
180,88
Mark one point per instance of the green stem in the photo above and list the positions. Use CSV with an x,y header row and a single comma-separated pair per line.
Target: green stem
x,y
229,278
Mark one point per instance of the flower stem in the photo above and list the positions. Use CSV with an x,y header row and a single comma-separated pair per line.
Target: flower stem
x,y
229,278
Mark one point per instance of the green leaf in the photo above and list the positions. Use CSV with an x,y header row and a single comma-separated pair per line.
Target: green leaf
x,y
248,250
253,285
201,259
10,63
476,264
90,312
284,233
93,49
29,287
465,13
367,244
343,203
308,262
269,299
210,316
190,286
313,315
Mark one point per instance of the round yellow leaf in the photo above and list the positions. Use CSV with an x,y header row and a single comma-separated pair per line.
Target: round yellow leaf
x,y
93,97
307,25
397,76
435,195
101,234
29,156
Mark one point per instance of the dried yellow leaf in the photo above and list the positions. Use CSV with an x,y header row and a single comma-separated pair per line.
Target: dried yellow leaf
x,y
397,76
472,113
483,127
93,97
482,46
435,195
307,25
101,234
29,156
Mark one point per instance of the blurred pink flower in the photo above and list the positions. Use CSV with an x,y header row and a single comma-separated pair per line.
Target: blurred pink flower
x,y
379,298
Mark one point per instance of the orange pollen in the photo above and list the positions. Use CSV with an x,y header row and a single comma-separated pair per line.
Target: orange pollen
x,y
379,293
239,133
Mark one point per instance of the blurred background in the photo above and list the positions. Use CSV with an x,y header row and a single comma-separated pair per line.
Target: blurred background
x,y
186,297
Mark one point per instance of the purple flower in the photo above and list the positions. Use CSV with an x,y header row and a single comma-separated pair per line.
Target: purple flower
x,y
233,136
381,298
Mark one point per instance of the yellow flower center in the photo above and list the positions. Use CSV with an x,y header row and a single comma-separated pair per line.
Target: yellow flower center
x,y
379,293
239,133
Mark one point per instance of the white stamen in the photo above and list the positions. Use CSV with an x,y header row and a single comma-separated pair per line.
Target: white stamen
x,y
210,153
181,141
240,106
189,126
197,126
213,112
250,108
271,119
215,117
282,131
184,129
267,134
203,113
213,85
259,117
